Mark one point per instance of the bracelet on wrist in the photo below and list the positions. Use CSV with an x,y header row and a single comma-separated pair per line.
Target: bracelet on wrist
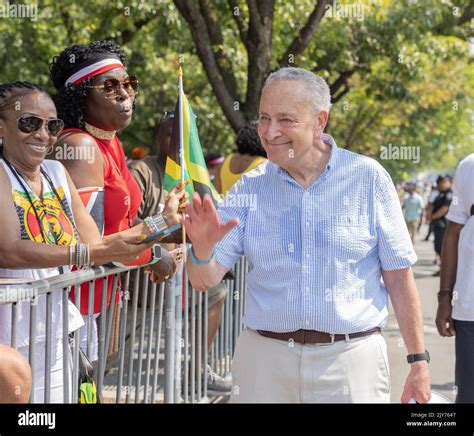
x,y
156,223
72,249
80,256
445,292
197,261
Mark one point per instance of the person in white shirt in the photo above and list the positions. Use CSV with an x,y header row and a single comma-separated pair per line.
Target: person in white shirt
x,y
455,314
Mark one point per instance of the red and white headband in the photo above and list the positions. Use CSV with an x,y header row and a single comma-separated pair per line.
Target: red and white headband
x,y
94,69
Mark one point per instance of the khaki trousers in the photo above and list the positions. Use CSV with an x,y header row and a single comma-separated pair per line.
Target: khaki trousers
x,y
412,226
266,370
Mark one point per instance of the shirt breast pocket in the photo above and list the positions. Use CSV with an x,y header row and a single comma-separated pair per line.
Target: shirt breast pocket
x,y
348,236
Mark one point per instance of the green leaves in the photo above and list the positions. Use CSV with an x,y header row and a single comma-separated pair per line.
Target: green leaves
x,y
404,68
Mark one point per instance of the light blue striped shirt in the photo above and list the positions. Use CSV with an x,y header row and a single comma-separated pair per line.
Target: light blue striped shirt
x,y
315,255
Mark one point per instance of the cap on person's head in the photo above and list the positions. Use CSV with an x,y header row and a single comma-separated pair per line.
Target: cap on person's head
x,y
213,159
167,115
443,177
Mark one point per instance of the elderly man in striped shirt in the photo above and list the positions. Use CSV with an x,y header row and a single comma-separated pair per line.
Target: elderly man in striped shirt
x,y
326,227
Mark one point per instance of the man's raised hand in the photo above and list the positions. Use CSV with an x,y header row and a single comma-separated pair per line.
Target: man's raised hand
x,y
204,226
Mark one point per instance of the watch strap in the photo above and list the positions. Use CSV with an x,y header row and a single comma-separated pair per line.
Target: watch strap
x,y
418,357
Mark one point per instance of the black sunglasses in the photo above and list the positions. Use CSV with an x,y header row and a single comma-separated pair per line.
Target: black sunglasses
x,y
33,123
111,87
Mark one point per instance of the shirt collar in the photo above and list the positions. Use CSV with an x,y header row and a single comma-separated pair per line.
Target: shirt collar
x,y
327,139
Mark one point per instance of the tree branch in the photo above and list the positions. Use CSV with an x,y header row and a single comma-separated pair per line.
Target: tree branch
x,y
259,51
336,98
339,82
193,16
127,35
467,15
241,25
217,44
254,21
303,39
449,28
360,128
67,23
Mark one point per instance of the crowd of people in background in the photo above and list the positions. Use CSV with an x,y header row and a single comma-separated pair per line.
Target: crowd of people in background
x,y
105,206
426,202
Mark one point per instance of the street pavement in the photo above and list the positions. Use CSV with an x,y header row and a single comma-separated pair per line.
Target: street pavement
x,y
441,349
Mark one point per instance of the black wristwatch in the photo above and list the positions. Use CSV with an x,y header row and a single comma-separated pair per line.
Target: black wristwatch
x,y
417,357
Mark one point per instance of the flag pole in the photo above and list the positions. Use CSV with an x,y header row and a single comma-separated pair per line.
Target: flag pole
x,y
181,150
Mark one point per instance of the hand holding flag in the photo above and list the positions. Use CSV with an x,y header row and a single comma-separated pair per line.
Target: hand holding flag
x,y
185,162
194,167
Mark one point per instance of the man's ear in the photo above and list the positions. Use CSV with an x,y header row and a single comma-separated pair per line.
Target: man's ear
x,y
323,117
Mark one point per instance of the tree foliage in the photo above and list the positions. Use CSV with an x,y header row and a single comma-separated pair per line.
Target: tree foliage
x,y
400,72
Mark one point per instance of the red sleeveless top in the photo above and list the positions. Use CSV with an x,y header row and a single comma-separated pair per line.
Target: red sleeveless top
x,y
122,198
122,195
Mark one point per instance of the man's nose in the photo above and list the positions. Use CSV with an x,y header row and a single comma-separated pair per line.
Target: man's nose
x,y
272,131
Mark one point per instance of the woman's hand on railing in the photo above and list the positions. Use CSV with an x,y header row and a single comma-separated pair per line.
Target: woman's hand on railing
x,y
175,202
120,248
204,226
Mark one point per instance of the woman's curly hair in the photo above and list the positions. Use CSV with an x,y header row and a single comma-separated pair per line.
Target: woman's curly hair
x,y
70,100
248,141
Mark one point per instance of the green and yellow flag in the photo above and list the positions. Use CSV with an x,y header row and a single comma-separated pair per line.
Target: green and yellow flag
x,y
194,163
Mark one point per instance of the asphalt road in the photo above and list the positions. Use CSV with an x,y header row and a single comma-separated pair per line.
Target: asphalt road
x,y
441,349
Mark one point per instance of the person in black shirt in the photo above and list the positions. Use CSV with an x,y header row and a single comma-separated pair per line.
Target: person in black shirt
x,y
439,210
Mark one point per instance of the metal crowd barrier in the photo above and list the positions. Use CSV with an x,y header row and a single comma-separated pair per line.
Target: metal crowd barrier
x,y
140,360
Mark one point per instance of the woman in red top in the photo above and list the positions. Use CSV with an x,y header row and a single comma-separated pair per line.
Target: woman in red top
x,y
95,98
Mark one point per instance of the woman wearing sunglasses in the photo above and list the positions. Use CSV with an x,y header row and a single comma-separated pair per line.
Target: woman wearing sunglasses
x,y
46,228
95,97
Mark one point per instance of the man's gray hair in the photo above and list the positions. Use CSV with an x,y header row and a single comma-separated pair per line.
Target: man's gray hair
x,y
318,89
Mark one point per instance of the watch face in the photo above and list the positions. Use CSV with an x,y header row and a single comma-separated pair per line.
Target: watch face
x,y
157,251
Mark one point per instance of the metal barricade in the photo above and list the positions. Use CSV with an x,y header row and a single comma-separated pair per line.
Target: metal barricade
x,y
150,341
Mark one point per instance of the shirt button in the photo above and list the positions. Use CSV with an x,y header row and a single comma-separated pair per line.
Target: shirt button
x,y
291,248
307,289
307,322
308,223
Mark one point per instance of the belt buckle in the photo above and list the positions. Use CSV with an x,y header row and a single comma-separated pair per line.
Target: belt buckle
x,y
323,344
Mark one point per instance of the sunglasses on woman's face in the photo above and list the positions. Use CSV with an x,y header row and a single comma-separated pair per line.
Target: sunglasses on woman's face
x,y
33,123
111,87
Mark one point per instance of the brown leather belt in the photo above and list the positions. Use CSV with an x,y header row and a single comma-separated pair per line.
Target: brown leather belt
x,y
315,337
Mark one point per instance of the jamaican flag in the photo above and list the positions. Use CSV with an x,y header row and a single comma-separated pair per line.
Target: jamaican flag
x,y
195,165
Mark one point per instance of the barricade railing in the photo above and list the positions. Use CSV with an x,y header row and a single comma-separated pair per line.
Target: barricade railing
x,y
149,344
